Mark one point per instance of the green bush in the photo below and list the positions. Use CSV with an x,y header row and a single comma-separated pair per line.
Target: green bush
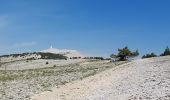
x,y
166,52
149,55
43,55
31,58
97,58
124,54
51,56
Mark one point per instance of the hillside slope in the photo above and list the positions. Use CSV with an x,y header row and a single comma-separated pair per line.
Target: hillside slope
x,y
65,52
147,79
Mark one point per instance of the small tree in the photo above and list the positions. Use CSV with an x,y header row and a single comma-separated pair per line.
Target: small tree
x,y
149,55
166,52
113,56
124,54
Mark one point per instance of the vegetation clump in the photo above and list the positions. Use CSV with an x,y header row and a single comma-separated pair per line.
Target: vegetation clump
x,y
97,58
166,52
46,63
31,58
51,56
149,55
43,55
124,54
16,55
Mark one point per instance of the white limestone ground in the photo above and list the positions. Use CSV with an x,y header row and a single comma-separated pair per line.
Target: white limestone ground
x,y
23,84
147,79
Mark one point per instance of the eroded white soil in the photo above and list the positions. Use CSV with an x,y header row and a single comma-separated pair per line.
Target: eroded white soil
x,y
147,79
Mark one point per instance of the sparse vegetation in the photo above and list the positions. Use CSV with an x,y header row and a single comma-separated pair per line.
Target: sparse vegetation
x,y
149,55
31,73
51,56
43,79
34,56
166,52
54,66
97,58
17,55
31,58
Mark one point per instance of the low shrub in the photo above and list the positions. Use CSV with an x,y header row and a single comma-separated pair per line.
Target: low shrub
x,y
149,55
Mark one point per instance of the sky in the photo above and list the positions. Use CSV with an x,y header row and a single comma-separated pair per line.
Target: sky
x,y
93,27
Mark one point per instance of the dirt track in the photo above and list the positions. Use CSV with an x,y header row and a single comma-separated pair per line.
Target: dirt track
x,y
147,79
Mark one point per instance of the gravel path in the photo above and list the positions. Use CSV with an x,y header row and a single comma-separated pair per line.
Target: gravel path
x,y
147,79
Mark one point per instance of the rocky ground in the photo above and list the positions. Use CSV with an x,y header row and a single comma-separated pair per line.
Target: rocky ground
x,y
35,64
24,83
147,79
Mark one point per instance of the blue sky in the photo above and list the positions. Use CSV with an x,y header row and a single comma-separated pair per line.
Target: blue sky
x,y
94,27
